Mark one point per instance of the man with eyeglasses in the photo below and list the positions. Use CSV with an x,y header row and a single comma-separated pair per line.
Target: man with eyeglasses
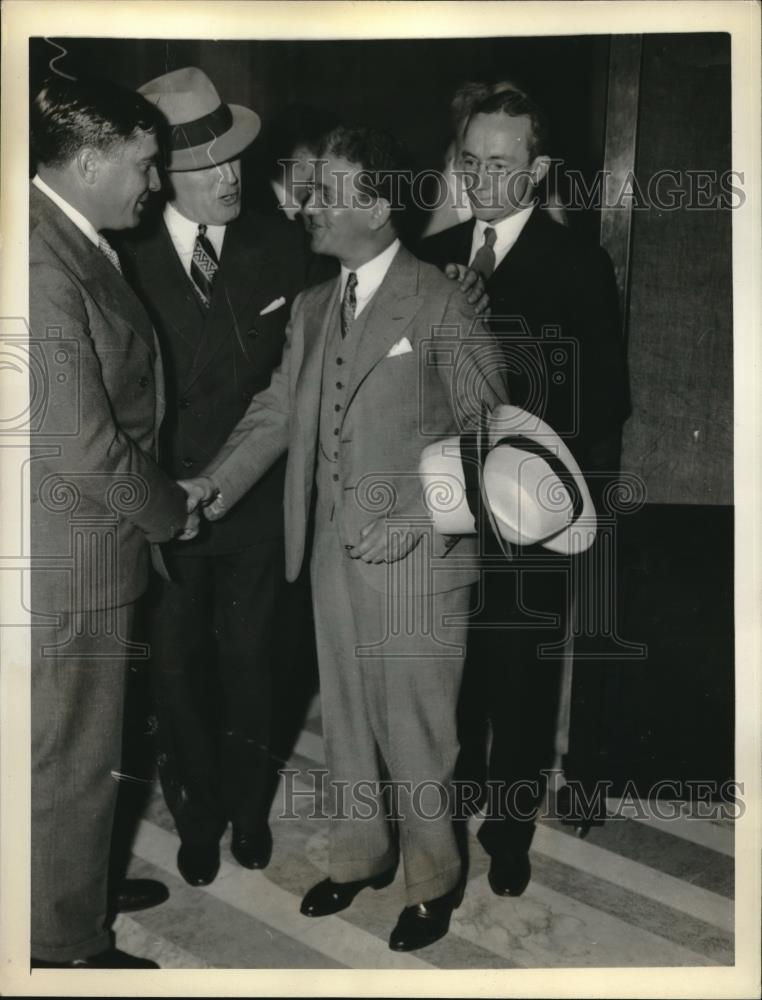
x,y
555,312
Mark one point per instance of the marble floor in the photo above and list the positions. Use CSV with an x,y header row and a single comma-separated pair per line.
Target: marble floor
x,y
636,892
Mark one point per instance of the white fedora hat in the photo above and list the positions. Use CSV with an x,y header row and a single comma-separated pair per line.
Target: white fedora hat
x,y
516,476
204,132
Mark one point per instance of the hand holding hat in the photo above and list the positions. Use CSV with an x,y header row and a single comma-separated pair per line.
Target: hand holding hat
x,y
520,473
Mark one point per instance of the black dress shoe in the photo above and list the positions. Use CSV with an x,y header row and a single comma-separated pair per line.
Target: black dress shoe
x,y
329,897
138,894
252,850
425,923
198,865
509,874
112,958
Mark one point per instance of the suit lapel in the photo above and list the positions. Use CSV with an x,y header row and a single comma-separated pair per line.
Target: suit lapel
x,y
462,238
525,252
165,276
391,311
245,284
97,273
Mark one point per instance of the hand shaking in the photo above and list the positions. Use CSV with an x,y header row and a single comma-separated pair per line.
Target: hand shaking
x,y
192,524
202,493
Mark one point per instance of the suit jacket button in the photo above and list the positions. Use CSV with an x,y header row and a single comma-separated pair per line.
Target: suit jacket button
x,y
144,380
187,463
183,404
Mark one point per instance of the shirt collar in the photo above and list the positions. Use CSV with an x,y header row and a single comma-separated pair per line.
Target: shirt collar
x,y
84,225
507,231
370,275
183,231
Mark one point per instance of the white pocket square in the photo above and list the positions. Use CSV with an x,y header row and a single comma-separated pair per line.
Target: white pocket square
x,y
275,304
401,347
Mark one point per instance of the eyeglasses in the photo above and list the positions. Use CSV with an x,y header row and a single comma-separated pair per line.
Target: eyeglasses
x,y
492,168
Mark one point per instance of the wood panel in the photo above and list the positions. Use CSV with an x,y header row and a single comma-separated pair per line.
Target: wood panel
x,y
680,436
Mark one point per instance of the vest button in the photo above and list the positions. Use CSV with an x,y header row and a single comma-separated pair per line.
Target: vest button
x,y
183,404
339,361
187,463
336,454
337,408
336,431
335,477
339,385
144,380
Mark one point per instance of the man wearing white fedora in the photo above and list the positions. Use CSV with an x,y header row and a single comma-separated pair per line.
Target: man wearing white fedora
x,y
218,283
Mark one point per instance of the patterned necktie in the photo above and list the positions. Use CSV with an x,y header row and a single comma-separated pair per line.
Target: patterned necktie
x,y
108,251
204,264
348,305
484,258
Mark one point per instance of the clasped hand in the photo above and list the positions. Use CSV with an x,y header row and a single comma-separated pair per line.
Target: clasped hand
x,y
200,493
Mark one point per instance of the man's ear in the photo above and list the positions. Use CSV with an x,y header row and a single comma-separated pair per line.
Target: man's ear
x,y
88,162
380,213
539,169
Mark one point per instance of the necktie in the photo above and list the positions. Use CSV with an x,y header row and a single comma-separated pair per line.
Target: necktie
x,y
108,251
204,264
484,258
348,305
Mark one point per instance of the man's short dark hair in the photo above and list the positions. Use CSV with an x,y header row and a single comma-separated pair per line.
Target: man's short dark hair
x,y
385,161
516,104
67,115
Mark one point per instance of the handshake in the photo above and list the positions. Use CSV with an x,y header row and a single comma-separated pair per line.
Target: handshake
x,y
201,494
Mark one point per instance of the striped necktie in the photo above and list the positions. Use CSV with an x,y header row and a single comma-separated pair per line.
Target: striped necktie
x,y
348,305
204,264
484,258
108,251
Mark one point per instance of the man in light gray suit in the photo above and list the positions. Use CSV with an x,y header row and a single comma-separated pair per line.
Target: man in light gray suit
x,y
364,384
98,499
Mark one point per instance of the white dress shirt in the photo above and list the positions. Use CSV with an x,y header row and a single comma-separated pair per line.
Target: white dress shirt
x,y
183,234
69,211
507,232
369,276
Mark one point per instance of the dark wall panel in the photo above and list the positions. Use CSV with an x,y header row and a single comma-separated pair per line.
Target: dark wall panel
x,y
403,85
680,436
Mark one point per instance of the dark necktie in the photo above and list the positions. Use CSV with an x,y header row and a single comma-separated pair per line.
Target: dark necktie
x,y
348,305
484,258
105,248
204,264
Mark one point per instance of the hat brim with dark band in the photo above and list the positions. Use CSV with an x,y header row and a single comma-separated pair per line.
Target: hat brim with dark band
x,y
213,140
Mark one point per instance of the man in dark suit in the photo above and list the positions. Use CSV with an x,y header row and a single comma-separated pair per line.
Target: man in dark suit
x,y
98,498
218,285
555,312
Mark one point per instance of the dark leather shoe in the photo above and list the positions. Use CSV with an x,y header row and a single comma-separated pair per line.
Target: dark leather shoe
x,y
252,850
509,874
329,897
112,958
198,865
138,894
426,922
